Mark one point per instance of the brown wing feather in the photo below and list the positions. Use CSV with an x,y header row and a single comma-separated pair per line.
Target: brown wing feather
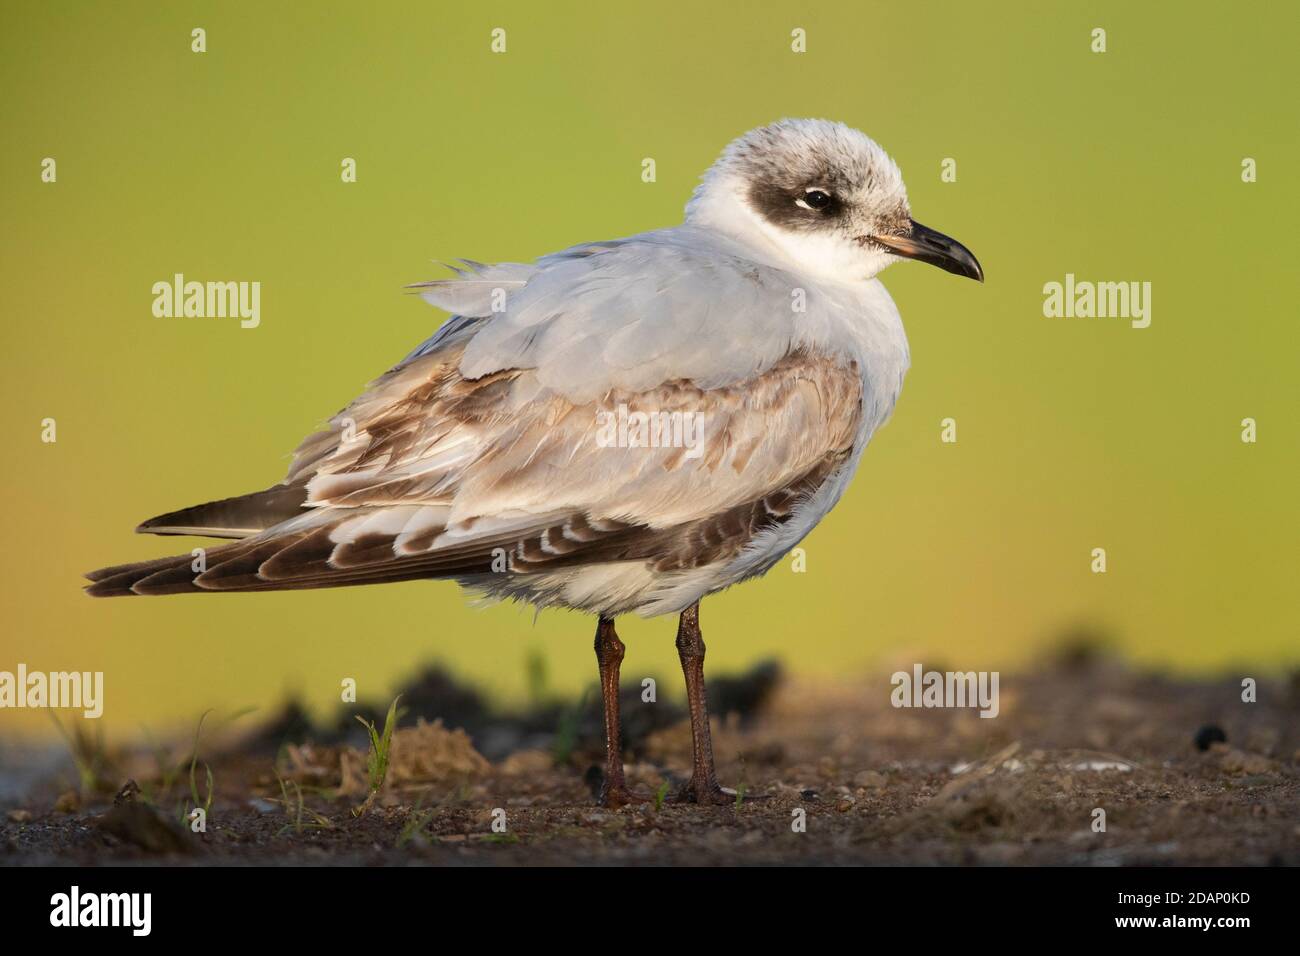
x,y
377,509
309,559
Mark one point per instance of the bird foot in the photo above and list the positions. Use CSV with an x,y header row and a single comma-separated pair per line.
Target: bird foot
x,y
620,795
711,794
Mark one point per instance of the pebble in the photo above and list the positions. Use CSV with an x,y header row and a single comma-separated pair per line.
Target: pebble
x,y
1209,734
68,802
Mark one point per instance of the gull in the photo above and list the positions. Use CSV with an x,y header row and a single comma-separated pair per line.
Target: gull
x,y
487,455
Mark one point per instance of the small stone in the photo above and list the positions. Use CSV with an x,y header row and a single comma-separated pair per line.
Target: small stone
x,y
139,824
130,790
845,805
68,802
869,779
1209,734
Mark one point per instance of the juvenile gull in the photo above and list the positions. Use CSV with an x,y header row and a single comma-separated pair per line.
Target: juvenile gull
x,y
485,455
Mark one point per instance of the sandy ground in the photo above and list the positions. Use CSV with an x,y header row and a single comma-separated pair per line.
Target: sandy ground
x,y
872,784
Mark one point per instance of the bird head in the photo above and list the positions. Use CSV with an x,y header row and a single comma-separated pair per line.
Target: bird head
x,y
825,198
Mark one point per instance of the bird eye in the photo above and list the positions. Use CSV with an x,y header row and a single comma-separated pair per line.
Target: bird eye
x,y
815,199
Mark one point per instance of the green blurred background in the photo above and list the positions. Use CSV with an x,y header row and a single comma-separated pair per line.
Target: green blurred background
x,y
1073,434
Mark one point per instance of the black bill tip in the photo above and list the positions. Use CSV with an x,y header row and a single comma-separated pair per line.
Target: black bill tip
x,y
928,245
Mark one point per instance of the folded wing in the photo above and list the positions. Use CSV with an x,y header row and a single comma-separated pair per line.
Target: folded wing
x,y
450,466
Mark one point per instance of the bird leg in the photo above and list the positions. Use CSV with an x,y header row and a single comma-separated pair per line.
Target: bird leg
x,y
703,786
609,655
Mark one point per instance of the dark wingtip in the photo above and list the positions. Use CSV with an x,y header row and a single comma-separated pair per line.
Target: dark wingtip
x,y
164,520
106,589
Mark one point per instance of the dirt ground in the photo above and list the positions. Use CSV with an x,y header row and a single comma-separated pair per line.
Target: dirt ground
x,y
872,784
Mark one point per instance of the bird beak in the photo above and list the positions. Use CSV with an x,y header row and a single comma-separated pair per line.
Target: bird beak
x,y
925,244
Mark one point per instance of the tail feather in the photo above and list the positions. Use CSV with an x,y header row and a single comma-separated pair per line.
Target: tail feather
x,y
290,558
237,570
297,552
177,579
171,575
337,547
136,569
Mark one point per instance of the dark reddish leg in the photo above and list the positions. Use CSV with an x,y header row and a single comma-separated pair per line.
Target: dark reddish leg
x,y
609,655
703,786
